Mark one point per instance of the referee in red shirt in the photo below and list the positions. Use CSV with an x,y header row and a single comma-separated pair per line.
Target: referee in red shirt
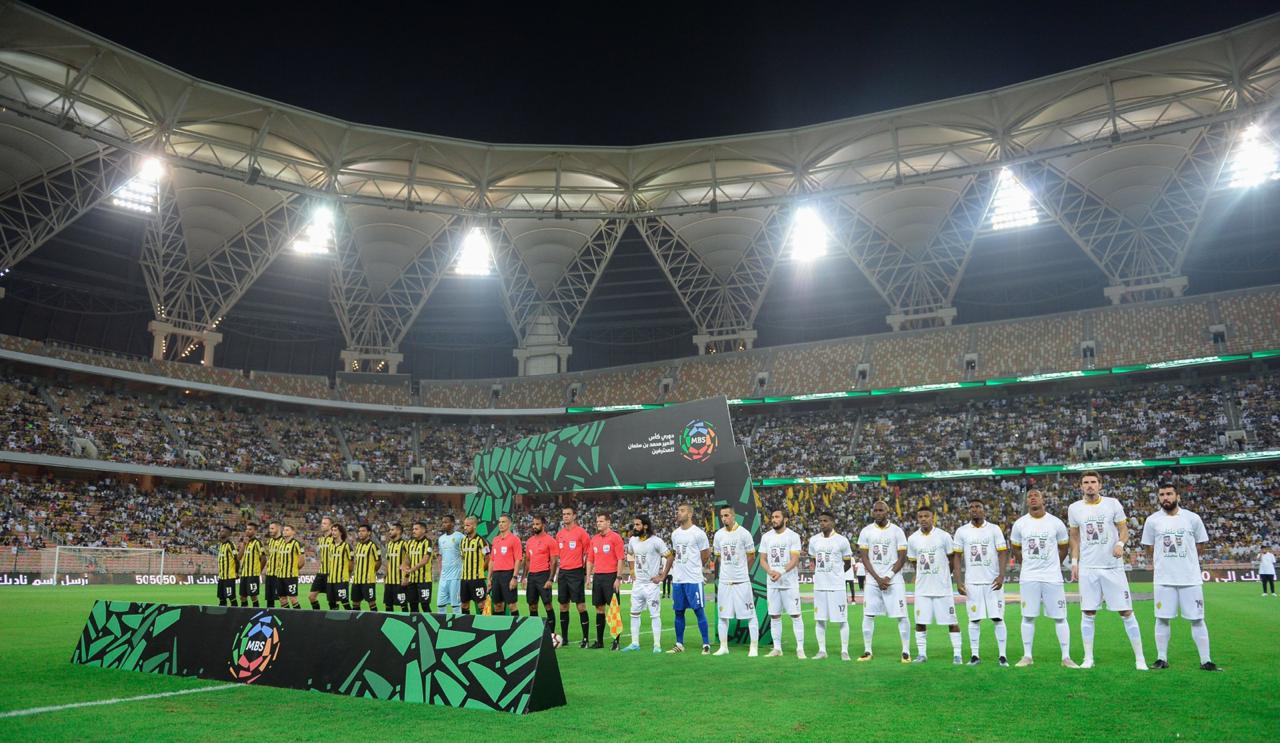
x,y
572,543
606,551
540,556
504,554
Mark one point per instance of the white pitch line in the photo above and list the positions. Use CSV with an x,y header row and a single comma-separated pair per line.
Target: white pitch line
x,y
117,700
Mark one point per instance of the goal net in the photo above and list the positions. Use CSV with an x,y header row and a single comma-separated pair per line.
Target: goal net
x,y
83,565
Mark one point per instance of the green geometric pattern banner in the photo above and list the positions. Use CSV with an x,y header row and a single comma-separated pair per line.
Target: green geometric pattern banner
x,y
477,662
681,442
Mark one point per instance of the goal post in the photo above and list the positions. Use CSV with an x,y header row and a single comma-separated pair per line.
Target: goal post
x,y
76,562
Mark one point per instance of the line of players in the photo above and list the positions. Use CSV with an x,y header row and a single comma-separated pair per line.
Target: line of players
x,y
473,569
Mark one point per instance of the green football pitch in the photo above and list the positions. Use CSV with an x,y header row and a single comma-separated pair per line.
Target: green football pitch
x,y
640,696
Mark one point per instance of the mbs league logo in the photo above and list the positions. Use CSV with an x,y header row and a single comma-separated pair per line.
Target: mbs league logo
x,y
256,648
697,441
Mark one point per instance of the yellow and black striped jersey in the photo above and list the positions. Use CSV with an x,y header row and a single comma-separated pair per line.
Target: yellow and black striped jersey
x,y
273,546
415,551
365,568
474,553
340,563
288,555
226,561
394,549
324,550
251,558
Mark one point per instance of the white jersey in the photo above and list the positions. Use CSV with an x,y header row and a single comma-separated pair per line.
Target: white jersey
x,y
1098,532
731,548
1039,539
1173,540
1267,564
883,546
932,555
688,545
778,549
828,555
981,547
647,555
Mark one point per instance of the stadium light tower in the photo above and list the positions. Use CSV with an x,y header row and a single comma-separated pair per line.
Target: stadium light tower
x,y
1012,206
809,234
141,193
317,238
1255,160
475,257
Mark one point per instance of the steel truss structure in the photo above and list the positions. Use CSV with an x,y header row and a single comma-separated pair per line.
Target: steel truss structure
x,y
1191,99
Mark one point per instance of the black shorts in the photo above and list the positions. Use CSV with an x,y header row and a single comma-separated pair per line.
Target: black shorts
x,y
500,587
288,586
227,589
394,594
571,586
249,587
472,590
602,588
423,592
536,589
364,592
320,584
273,588
337,592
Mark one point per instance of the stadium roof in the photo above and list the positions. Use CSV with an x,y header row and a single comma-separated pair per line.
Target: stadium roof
x,y
1123,156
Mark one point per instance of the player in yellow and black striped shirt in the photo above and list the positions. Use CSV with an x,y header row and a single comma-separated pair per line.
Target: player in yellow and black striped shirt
x,y
364,575
324,547
415,566
226,567
475,566
273,546
250,565
339,569
288,565
393,590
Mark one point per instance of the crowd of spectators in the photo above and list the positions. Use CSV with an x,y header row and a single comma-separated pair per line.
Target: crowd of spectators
x,y
798,445
386,448
121,425
227,439
29,424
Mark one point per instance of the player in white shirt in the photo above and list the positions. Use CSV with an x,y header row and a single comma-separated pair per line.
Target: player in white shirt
x,y
1099,530
1040,541
780,556
735,549
1172,534
1267,570
832,555
934,553
647,555
980,576
685,560
883,548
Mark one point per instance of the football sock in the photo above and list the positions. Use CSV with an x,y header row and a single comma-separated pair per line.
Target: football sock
x,y
1200,633
904,633
797,624
635,629
701,614
753,629
1086,634
1028,635
600,628
655,624
922,643
680,627
975,638
844,638
724,632
957,645
1064,636
1135,636
775,629
564,624
1163,630
820,631
868,631
586,624
1002,639
316,604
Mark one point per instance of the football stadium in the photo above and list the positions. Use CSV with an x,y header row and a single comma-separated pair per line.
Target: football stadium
x,y
955,420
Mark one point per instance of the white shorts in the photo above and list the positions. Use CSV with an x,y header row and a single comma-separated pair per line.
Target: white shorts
x,y
784,601
935,610
1110,585
891,603
830,606
1040,597
644,594
985,602
735,601
1174,600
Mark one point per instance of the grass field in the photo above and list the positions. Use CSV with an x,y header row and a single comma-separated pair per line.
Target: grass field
x,y
639,696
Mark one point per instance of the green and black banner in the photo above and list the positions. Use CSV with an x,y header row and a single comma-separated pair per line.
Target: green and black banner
x,y
478,662
680,442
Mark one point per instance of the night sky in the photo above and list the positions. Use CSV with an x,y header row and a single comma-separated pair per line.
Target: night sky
x,y
632,73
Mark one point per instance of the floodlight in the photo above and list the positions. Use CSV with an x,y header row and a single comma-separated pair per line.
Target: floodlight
x,y
474,258
809,235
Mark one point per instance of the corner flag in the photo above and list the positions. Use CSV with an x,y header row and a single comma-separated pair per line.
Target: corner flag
x,y
613,618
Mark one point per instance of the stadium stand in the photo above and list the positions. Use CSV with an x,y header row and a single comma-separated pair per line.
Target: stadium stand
x,y
623,386
1252,320
386,448
299,385
921,357
30,425
538,392
1133,335
826,367
228,439
379,394
122,426
1029,346
440,393
782,446
732,376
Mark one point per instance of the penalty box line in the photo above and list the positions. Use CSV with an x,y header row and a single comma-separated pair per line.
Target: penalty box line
x,y
116,700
